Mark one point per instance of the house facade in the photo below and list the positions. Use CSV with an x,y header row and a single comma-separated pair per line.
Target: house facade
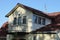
x,y
24,19
26,23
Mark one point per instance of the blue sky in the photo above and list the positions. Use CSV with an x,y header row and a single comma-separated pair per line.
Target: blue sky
x,y
7,5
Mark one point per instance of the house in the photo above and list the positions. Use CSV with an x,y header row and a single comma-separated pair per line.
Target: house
x,y
26,23
23,20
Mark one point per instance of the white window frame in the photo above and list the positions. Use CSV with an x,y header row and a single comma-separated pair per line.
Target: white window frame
x,y
37,19
26,19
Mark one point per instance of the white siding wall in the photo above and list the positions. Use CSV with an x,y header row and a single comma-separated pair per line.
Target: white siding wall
x,y
37,26
30,25
22,12
48,21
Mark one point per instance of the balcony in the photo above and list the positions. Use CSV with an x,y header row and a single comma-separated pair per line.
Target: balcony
x,y
17,28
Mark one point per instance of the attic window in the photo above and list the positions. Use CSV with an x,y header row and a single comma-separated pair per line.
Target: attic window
x,y
14,21
19,19
34,38
24,19
43,21
35,18
39,20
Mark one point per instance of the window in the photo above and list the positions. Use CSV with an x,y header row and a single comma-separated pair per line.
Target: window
x,y
43,21
15,20
24,19
19,19
35,19
39,20
34,38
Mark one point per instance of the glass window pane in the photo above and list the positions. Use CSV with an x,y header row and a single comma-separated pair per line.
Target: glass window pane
x,y
43,21
34,38
14,22
24,19
39,20
19,20
35,19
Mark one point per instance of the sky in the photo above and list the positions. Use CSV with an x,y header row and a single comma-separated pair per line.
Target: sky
x,y
42,5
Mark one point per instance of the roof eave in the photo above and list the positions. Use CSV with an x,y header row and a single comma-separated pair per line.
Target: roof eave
x,y
29,8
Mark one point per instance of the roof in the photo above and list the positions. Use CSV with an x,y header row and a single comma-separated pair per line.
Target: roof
x,y
5,25
37,12
50,27
54,14
3,29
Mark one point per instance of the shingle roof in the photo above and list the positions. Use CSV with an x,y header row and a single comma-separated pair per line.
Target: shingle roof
x,y
3,29
5,25
54,14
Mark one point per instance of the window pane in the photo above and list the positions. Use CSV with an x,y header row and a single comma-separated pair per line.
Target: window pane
x,y
43,21
35,19
39,20
24,19
19,20
14,22
34,38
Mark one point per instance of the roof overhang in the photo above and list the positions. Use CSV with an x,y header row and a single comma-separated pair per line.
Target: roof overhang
x,y
37,12
44,32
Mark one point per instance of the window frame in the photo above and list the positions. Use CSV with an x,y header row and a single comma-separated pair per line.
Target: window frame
x,y
37,22
34,38
19,19
15,21
35,19
43,21
24,20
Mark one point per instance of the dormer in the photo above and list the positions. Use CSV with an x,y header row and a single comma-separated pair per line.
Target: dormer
x,y
26,19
